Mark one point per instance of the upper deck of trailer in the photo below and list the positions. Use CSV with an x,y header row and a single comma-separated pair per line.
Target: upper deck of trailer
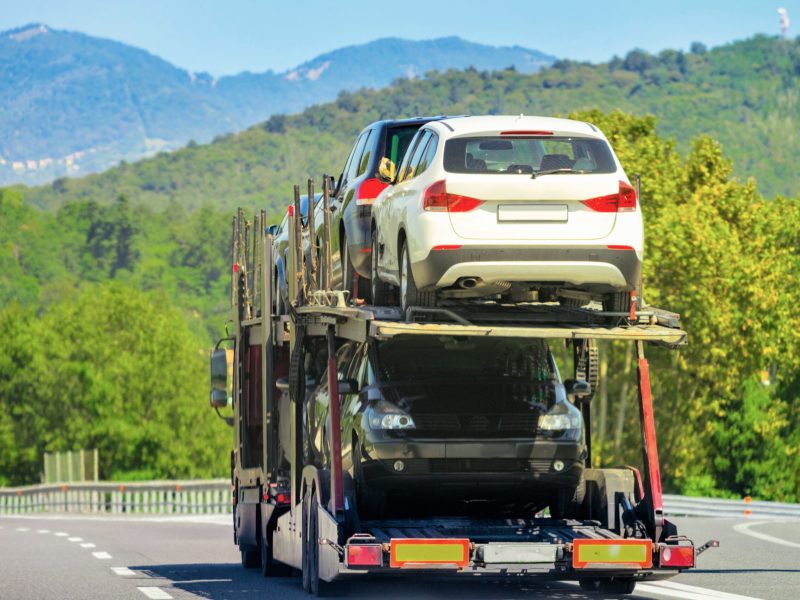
x,y
491,319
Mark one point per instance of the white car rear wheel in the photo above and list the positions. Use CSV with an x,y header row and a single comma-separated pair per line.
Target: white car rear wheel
x,y
409,294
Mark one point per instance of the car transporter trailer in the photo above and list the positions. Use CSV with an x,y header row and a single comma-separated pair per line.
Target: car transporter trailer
x,y
290,514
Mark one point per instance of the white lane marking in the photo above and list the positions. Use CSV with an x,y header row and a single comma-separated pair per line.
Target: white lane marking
x,y
88,545
123,571
682,591
60,534
694,590
101,555
745,529
43,531
689,593
155,593
75,539
22,529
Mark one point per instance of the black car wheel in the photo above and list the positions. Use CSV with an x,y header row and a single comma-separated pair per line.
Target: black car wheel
x,y
381,291
351,280
409,294
568,503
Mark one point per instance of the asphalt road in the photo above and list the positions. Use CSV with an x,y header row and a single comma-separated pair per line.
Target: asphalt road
x,y
51,557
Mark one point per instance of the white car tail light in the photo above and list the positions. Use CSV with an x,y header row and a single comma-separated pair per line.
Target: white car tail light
x,y
437,199
622,201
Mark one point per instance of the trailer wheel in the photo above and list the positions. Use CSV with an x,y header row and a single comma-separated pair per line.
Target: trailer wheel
x,y
589,585
250,558
269,566
617,585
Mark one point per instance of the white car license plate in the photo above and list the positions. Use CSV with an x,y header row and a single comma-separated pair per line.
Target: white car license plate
x,y
532,212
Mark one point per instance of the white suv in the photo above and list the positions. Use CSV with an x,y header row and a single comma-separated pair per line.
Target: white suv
x,y
508,205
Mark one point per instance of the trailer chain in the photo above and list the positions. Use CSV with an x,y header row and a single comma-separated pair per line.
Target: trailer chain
x,y
587,365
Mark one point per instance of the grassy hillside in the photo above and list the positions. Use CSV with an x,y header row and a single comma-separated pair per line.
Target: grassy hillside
x,y
744,94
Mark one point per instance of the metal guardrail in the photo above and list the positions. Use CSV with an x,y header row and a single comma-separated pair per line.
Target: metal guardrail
x,y
140,497
214,497
715,507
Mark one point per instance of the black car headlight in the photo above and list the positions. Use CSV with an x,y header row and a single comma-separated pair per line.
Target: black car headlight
x,y
563,419
385,415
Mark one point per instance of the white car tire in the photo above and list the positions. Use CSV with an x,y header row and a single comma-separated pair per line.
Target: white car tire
x,y
409,294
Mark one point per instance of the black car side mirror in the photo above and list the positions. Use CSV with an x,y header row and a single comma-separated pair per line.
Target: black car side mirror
x,y
575,387
348,386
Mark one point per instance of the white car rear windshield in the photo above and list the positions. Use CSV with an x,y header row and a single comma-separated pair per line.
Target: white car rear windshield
x,y
528,155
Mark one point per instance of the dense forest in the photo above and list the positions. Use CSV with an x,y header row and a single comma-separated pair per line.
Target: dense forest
x,y
112,296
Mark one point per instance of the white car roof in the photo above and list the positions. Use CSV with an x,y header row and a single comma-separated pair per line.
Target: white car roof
x,y
489,124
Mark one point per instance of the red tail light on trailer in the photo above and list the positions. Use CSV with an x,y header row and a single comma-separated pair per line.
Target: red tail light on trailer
x,y
676,556
369,190
437,199
364,555
623,201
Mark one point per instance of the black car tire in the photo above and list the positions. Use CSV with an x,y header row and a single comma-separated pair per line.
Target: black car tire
x,y
568,503
370,502
410,295
381,291
350,278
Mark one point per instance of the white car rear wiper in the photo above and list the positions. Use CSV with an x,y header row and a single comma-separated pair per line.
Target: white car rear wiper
x,y
536,174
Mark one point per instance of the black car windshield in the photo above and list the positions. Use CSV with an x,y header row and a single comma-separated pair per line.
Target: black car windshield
x,y
527,155
468,361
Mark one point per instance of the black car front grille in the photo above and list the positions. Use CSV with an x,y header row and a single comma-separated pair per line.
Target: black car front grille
x,y
480,423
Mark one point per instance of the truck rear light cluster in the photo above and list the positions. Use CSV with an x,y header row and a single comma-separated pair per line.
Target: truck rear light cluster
x,y
437,199
623,201
676,556
364,555
369,190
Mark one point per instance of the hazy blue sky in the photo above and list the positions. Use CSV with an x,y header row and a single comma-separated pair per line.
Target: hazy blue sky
x,y
228,37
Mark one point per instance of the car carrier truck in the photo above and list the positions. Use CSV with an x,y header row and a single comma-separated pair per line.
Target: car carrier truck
x,y
291,513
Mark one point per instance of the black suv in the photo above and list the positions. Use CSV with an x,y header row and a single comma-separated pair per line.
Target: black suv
x,y
452,424
356,190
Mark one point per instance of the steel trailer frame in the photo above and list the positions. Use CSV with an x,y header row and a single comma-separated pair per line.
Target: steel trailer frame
x,y
305,519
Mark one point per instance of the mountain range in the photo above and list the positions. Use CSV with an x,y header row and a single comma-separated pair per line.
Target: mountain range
x,y
75,104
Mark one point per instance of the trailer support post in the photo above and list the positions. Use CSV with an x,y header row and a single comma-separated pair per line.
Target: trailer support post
x,y
653,500
337,479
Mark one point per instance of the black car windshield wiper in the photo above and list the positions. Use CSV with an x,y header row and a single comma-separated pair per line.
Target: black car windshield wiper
x,y
536,174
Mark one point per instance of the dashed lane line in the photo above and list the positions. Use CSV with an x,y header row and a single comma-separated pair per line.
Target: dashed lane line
x,y
23,529
744,528
101,555
88,545
60,534
155,593
75,539
42,531
123,571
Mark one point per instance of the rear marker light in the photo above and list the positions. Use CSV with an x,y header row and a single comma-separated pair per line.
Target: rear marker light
x,y
447,247
604,554
525,132
436,199
613,247
369,190
676,556
364,555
